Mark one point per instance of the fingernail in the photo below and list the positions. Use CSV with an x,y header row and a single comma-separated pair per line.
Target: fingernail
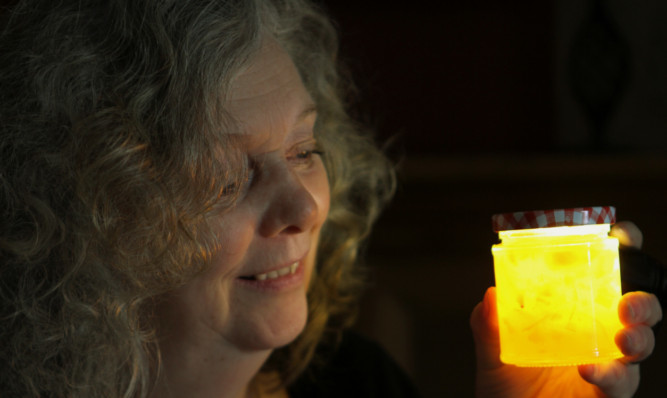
x,y
630,341
631,312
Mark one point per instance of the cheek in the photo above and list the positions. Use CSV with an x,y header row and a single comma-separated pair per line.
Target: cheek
x,y
320,190
233,238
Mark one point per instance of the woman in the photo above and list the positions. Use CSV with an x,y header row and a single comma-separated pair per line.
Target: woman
x,y
183,199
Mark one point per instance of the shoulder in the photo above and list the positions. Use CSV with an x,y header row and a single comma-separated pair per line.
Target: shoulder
x,y
358,368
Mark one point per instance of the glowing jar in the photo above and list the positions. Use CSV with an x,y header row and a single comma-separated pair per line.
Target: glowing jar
x,y
558,286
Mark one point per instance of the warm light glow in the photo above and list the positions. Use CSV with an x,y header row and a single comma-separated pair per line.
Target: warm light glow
x,y
558,291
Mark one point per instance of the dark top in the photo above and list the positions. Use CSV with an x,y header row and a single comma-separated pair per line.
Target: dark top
x,y
358,368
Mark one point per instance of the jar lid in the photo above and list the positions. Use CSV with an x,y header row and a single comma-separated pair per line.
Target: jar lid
x,y
554,218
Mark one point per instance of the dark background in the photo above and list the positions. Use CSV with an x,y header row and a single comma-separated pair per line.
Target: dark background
x,y
498,106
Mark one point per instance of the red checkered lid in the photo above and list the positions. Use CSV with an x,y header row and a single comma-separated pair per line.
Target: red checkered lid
x,y
554,218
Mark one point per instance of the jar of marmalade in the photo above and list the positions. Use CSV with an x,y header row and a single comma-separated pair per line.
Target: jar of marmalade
x,y
558,286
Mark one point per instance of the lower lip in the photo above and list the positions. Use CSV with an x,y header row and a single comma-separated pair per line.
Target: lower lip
x,y
279,284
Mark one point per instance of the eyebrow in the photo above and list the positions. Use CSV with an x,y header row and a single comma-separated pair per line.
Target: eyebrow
x,y
308,111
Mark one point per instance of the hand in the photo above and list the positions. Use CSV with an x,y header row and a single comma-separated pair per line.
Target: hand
x,y
638,311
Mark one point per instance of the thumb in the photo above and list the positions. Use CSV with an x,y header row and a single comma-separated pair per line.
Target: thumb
x,y
484,325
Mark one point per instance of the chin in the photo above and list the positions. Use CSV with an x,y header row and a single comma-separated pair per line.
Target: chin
x,y
272,328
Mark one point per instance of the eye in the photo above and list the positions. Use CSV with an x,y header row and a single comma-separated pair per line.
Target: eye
x,y
304,154
241,186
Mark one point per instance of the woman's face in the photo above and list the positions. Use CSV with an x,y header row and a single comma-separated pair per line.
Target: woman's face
x,y
254,295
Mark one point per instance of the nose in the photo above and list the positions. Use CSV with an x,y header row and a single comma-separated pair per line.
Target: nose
x,y
292,207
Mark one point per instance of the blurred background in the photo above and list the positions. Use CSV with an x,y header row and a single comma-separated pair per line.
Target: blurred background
x,y
491,107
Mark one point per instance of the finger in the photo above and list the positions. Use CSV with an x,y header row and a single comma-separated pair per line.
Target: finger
x,y
484,325
614,379
636,343
639,308
628,234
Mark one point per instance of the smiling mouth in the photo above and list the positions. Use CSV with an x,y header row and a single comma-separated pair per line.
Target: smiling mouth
x,y
289,270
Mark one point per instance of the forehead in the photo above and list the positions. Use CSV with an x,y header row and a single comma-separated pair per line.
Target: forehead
x,y
267,99
268,86
270,67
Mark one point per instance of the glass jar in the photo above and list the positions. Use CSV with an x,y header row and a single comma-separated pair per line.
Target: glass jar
x,y
558,286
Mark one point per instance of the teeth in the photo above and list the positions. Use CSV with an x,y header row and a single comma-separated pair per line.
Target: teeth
x,y
290,269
